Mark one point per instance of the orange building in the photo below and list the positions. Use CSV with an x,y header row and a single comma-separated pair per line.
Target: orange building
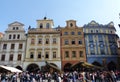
x,y
72,45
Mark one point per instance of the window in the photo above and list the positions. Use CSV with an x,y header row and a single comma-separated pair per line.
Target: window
x,y
16,28
46,55
4,46
3,57
12,46
91,31
20,46
47,25
79,33
73,42
71,25
39,41
65,33
72,33
19,57
66,54
39,54
73,54
96,31
32,41
81,53
14,36
54,40
10,36
47,41
31,55
18,36
41,25
11,57
66,42
80,42
13,28
54,54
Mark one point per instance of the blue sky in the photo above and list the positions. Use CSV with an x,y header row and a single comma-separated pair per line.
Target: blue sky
x,y
83,11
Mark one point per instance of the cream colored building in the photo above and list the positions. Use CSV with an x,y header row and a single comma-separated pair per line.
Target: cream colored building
x,y
43,44
12,45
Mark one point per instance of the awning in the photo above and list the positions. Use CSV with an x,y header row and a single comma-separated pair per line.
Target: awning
x,y
52,66
85,65
11,69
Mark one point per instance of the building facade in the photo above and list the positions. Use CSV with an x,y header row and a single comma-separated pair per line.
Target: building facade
x,y
43,45
101,44
13,43
72,45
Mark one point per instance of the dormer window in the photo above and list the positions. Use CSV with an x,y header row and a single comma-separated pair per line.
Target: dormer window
x,y
71,25
41,25
47,25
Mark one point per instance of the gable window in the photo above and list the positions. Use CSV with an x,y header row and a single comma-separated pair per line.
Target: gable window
x,y
16,28
47,25
11,57
41,25
12,46
4,46
13,28
71,25
10,36
3,57
19,57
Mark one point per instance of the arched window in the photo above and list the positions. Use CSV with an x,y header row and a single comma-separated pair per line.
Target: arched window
x,y
71,25
41,25
47,25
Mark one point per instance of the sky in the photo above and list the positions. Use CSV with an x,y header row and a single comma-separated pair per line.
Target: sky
x,y
83,11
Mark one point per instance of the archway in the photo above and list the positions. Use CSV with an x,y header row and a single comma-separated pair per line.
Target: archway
x,y
33,68
19,67
111,66
67,67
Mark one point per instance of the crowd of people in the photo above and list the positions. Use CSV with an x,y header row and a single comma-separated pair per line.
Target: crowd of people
x,y
74,76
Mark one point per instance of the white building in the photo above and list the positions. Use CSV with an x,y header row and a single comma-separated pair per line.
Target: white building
x,y
43,44
12,45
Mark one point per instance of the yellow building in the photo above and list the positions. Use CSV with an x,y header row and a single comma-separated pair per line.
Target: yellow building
x,y
43,44
72,45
